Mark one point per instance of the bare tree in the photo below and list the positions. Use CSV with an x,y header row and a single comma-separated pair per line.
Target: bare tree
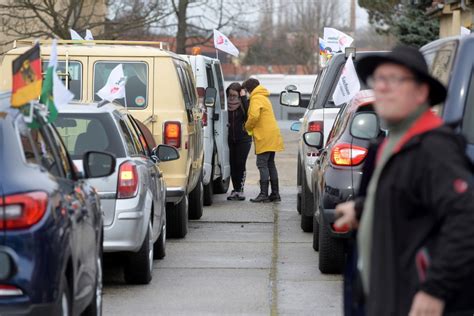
x,y
195,19
53,18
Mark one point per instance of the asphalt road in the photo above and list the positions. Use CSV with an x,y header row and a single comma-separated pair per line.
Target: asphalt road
x,y
240,258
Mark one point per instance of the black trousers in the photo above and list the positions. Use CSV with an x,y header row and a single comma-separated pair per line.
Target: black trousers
x,y
266,166
238,153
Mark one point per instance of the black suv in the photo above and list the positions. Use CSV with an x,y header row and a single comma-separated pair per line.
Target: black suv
x,y
451,60
50,221
337,174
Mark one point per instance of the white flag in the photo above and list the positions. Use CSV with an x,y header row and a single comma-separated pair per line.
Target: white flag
x,y
465,31
89,36
75,36
348,84
61,95
222,43
115,86
337,40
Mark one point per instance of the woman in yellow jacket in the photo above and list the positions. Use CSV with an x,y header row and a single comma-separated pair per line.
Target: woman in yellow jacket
x,y
263,127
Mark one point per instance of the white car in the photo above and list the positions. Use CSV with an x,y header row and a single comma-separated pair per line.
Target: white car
x,y
216,167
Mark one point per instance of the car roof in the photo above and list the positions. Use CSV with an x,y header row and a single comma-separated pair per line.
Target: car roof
x,y
99,50
362,98
79,107
441,41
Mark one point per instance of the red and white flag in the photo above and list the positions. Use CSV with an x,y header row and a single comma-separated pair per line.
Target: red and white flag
x,y
221,42
348,84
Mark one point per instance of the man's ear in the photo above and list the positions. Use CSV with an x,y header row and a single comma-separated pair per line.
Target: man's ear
x,y
423,94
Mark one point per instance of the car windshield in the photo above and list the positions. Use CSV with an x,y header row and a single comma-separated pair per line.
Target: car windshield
x,y
85,132
74,75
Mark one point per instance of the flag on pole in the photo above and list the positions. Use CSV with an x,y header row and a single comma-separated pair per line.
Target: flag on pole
x,y
222,43
89,36
336,39
54,94
75,36
27,77
115,86
348,84
465,31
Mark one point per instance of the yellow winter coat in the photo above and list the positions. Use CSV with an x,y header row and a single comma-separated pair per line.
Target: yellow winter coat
x,y
261,122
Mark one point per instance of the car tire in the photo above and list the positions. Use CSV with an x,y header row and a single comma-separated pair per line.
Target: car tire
x,y
177,218
196,201
159,248
331,250
307,205
139,266
65,306
95,307
298,184
315,234
208,193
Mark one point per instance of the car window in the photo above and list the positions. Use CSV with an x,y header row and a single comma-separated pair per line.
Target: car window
x,y
184,86
74,76
210,77
190,84
330,101
137,142
62,152
83,132
317,87
338,124
130,144
141,137
220,84
468,118
136,85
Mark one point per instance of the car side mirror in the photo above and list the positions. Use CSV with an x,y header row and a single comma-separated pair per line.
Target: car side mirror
x,y
210,97
365,125
98,164
165,153
290,98
313,139
295,127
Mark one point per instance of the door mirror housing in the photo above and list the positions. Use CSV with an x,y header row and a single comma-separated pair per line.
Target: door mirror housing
x,y
165,153
210,97
365,125
295,127
98,164
313,139
290,98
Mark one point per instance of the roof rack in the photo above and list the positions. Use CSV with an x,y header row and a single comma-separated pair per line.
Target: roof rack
x,y
16,43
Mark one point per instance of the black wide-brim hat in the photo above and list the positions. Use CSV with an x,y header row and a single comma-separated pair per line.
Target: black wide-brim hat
x,y
410,58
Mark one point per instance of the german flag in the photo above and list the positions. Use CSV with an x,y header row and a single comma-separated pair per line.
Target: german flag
x,y
27,77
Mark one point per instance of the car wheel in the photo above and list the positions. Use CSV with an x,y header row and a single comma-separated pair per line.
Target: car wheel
x,y
196,201
307,204
177,218
65,298
315,234
208,192
160,244
331,250
139,266
95,307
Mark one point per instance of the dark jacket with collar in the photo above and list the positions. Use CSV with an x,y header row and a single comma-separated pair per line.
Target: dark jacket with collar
x,y
423,230
237,119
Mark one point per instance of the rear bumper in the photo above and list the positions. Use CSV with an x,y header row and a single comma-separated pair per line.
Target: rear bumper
x,y
28,309
128,229
174,194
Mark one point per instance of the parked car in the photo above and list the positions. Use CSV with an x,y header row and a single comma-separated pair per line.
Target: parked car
x,y
319,117
160,92
338,173
133,197
50,221
452,62
216,168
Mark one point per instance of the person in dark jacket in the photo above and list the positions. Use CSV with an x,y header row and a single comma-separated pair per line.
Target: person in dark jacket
x,y
415,209
239,140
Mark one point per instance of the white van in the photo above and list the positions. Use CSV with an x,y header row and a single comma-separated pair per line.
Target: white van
x,y
216,167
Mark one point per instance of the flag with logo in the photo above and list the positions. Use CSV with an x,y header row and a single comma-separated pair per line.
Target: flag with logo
x,y
54,94
348,84
336,39
89,36
221,42
115,86
27,77
75,36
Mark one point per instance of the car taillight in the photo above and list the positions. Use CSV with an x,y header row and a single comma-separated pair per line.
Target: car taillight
x,y
316,126
127,181
9,290
23,210
172,134
204,118
344,154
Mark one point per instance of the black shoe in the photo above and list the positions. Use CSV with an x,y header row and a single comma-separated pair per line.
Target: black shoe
x,y
274,197
261,198
236,196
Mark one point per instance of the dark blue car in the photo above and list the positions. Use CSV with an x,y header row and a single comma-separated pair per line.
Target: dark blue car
x,y
50,222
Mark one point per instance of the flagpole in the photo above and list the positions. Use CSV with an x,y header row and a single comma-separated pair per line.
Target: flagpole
x,y
217,54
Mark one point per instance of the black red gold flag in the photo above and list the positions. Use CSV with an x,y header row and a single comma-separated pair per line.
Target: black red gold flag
x,y
27,77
